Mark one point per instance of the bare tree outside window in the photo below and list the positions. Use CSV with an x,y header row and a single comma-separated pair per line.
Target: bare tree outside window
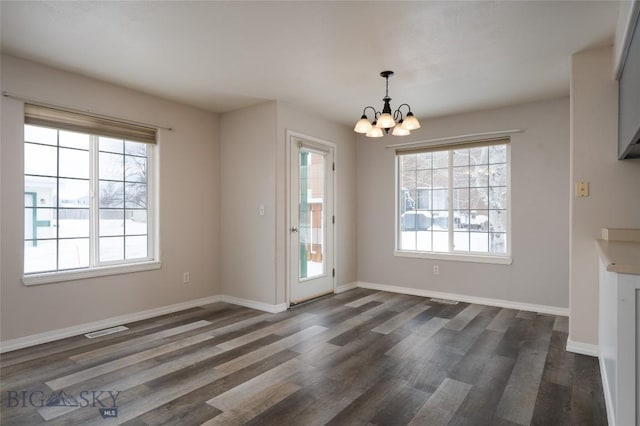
x,y
461,199
60,204
123,199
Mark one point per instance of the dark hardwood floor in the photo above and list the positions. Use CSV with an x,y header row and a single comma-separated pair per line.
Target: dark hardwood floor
x,y
360,357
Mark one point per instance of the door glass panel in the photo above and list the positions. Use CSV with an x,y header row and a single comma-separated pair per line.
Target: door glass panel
x,y
311,203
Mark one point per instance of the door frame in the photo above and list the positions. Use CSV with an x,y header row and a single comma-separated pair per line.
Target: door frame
x,y
321,144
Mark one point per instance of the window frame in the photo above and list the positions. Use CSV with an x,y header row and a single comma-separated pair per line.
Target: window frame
x,y
104,268
477,257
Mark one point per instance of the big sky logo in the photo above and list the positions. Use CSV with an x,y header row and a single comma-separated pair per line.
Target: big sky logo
x,y
61,399
106,401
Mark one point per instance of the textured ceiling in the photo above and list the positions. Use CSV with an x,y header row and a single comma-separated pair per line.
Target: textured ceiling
x,y
448,57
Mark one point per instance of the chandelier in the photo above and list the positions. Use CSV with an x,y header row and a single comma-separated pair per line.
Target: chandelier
x,y
386,120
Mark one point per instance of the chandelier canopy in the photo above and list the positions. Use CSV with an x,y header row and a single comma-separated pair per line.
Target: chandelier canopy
x,y
402,125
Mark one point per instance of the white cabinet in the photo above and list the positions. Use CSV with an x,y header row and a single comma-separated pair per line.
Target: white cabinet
x,y
619,338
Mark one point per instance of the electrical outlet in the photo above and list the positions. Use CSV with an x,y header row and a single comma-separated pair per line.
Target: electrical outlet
x,y
436,270
185,277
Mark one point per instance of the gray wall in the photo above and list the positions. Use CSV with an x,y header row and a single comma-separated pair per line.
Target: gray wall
x,y
254,173
248,176
539,273
189,206
614,185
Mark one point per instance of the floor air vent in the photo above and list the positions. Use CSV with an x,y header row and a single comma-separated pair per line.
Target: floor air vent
x,y
105,332
445,301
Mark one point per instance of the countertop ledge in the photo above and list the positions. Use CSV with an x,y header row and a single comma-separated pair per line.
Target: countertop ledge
x,y
622,257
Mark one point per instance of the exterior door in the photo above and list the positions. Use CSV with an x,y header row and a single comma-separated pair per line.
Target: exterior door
x,y
311,270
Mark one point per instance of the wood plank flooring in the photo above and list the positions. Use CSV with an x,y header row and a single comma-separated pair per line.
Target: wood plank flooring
x,y
360,357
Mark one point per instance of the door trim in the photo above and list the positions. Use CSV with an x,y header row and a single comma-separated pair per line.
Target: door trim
x,y
289,135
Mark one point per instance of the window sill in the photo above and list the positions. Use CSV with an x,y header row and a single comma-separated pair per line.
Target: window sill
x,y
81,274
499,260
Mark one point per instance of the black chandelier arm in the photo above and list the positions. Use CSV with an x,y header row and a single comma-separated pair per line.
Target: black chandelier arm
x,y
397,115
375,113
401,105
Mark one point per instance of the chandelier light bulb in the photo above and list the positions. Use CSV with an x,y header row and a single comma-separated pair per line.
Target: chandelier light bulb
x,y
400,130
411,123
375,131
363,125
386,121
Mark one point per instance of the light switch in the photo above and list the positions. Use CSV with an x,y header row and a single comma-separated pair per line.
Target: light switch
x,y
261,210
582,188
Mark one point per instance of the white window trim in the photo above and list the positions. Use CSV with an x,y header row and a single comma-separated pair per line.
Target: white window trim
x,y
477,258
82,274
122,267
500,259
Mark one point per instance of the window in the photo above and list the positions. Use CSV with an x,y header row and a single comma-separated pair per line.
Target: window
x,y
454,200
88,193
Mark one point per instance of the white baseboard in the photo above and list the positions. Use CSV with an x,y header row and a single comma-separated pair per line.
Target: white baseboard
x,y
63,333
543,309
261,306
608,401
50,336
36,339
346,287
582,348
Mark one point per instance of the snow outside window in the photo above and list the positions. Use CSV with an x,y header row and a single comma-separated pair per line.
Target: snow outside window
x,y
87,201
454,199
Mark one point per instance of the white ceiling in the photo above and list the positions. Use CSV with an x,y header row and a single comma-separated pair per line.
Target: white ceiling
x,y
448,57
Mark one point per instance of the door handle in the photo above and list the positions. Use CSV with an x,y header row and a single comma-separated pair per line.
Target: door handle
x,y
294,229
